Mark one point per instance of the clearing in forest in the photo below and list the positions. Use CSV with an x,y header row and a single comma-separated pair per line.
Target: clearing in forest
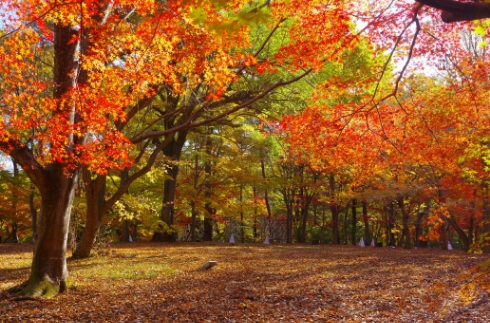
x,y
148,282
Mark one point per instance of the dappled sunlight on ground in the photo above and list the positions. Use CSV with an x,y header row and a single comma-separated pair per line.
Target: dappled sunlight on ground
x,y
148,282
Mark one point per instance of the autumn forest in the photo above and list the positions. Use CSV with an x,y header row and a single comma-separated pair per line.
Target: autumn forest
x,y
298,129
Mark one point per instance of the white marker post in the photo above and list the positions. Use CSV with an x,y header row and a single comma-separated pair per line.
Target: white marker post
x,y
361,243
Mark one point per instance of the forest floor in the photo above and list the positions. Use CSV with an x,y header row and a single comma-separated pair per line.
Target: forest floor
x,y
150,282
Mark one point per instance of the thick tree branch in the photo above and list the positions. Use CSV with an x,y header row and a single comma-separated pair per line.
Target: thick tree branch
x,y
190,122
454,11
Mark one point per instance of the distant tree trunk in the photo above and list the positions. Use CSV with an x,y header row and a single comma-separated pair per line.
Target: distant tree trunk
x,y
486,223
125,231
289,221
14,234
354,222
135,232
266,195
462,235
391,224
345,236
304,214
365,218
443,240
208,217
418,227
167,211
193,202
324,211
172,151
334,208
405,219
242,224
255,233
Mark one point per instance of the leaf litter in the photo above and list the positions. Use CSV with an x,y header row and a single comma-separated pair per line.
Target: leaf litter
x,y
149,282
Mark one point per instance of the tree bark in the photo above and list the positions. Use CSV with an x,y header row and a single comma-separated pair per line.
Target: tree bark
x,y
365,218
354,222
49,269
454,11
95,198
405,219
486,223
391,224
334,208
172,151
33,211
266,195
208,167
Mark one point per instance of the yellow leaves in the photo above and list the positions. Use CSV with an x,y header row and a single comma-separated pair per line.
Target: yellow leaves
x,y
198,15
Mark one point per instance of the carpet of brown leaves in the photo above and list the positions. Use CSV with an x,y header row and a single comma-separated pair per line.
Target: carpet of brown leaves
x,y
146,282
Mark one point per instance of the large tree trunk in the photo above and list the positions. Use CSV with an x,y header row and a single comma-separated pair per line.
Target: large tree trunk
x,y
49,269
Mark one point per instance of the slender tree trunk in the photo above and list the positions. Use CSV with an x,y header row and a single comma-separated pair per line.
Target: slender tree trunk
x,y
354,222
345,237
486,223
289,220
391,224
322,234
242,224
304,215
266,195
95,198
365,218
172,151
208,217
443,240
334,208
255,231
463,236
471,229
406,229
125,231
167,211
418,227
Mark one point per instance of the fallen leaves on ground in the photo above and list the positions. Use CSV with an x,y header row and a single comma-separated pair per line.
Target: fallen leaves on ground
x,y
148,282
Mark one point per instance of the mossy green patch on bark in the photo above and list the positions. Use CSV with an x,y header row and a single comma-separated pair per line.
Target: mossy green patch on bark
x,y
41,287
